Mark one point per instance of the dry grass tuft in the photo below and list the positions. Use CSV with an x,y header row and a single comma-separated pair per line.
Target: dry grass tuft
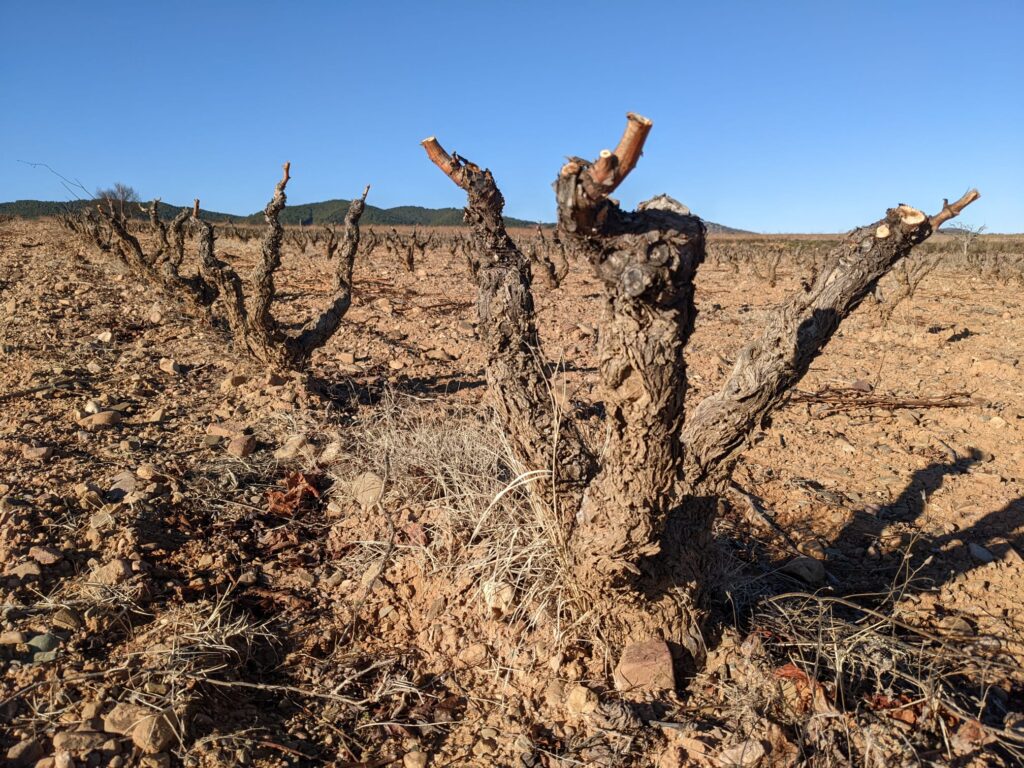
x,y
487,517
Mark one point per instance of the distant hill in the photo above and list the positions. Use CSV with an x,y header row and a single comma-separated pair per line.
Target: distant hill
x,y
307,214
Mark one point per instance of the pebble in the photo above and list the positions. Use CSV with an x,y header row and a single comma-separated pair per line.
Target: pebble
x,y
806,569
24,754
980,554
45,555
154,733
36,453
167,365
645,666
473,655
44,642
115,572
415,759
241,446
101,420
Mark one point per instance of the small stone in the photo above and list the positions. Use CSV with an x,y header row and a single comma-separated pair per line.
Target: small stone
x,y
367,489
105,338
124,717
291,448
115,572
146,472
168,365
154,733
45,555
26,571
67,618
581,701
36,453
396,364
233,381
749,754
156,416
347,358
806,569
13,637
473,655
415,759
241,446
24,754
645,666
275,380
980,554
101,420
44,642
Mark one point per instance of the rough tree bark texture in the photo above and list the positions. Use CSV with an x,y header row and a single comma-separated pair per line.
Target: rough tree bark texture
x,y
251,322
542,437
642,534
317,332
647,261
772,364
161,266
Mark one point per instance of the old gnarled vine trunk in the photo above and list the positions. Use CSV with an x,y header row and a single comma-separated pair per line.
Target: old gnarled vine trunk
x,y
641,534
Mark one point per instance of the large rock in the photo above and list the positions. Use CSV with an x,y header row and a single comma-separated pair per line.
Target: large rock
x,y
645,667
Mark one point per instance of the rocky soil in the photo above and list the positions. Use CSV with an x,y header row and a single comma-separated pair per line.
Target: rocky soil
x,y
205,563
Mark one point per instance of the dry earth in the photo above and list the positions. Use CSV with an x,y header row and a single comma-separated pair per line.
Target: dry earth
x,y
207,564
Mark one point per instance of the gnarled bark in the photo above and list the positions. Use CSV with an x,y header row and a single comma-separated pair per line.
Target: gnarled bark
x,y
251,321
642,534
161,266
542,436
772,364
647,261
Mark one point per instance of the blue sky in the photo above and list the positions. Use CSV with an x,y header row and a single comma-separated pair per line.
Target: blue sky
x,y
785,116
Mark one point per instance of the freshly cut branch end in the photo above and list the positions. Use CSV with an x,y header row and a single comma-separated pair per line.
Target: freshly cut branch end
x,y
909,215
951,211
451,167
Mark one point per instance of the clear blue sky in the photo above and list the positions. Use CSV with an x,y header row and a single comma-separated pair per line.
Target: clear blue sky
x,y
782,116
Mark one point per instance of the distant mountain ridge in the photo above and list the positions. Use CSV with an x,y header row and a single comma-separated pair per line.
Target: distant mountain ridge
x,y
306,214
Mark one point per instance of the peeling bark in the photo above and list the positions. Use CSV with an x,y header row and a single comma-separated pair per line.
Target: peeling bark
x,y
541,435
